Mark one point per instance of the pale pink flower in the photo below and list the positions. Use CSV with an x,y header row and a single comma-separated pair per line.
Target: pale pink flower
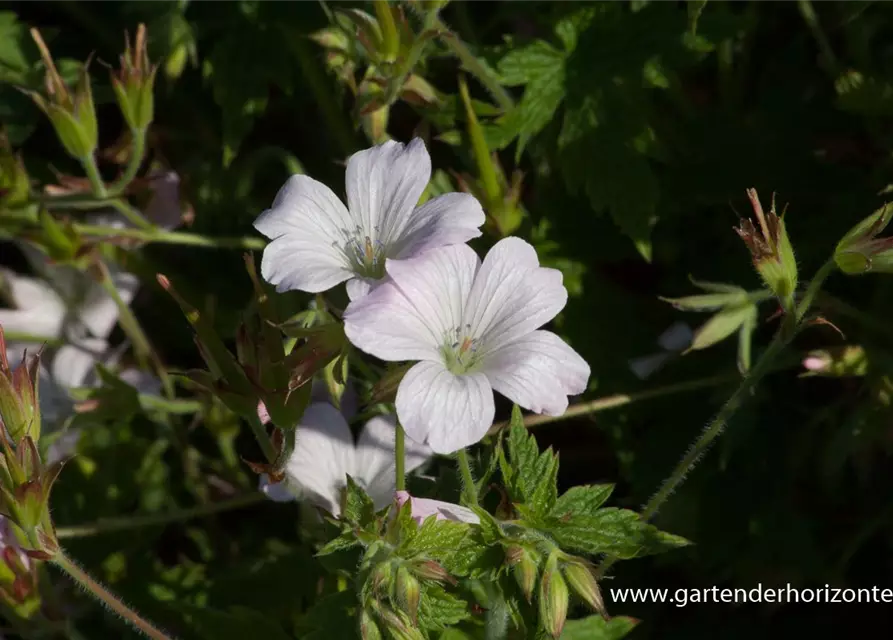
x,y
474,328
317,243
423,508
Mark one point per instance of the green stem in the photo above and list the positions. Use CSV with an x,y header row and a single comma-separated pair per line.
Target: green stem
x,y
812,22
474,67
171,237
468,484
129,212
112,525
263,439
137,153
92,171
106,597
400,458
782,338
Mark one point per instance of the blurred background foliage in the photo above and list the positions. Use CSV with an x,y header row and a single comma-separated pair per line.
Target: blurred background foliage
x,y
625,136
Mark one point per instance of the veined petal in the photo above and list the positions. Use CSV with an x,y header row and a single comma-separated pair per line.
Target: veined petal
x,y
443,410
359,287
512,295
538,372
453,218
384,185
310,229
323,456
423,508
375,460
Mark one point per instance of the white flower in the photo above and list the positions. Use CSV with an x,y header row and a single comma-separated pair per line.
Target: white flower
x,y
474,327
423,508
325,453
673,341
317,243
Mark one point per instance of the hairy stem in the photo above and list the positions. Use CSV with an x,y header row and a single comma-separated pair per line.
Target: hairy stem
x,y
92,171
137,152
106,597
400,458
171,237
111,525
468,485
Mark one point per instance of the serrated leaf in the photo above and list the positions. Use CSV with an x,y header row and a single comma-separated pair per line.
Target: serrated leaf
x,y
345,541
358,506
435,538
489,526
583,500
531,476
439,609
597,628
618,532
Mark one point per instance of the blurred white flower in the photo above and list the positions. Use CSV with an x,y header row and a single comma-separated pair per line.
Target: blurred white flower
x,y
422,508
317,243
474,327
325,453
673,341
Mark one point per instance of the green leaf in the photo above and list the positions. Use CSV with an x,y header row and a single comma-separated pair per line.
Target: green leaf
x,y
358,506
617,532
597,628
436,538
489,527
346,540
439,609
722,325
531,476
584,500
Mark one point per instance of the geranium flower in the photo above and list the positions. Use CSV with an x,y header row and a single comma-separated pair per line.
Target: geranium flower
x,y
423,508
325,454
317,243
474,327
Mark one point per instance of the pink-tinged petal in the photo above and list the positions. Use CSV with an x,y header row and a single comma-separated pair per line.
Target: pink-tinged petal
x,y
537,372
309,229
262,414
512,295
384,185
323,456
445,411
423,508
453,218
375,461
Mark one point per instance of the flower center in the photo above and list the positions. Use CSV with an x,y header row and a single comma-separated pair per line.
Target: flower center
x,y
365,254
460,350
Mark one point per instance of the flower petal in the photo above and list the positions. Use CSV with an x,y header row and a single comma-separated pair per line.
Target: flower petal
x,y
40,311
99,312
453,218
422,508
359,287
323,455
275,491
446,411
73,364
512,295
384,185
538,372
409,317
375,461
309,228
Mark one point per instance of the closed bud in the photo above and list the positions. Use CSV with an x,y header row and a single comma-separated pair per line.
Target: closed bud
x,y
553,598
134,82
431,570
861,250
14,182
382,576
525,567
72,114
845,361
399,625
771,251
408,592
368,629
579,576
19,402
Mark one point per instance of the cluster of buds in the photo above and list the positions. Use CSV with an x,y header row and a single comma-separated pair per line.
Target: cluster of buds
x,y
18,573
861,251
389,50
771,251
134,81
71,111
844,361
261,380
558,575
25,483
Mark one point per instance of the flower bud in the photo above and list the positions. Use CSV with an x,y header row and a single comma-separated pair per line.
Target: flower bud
x,y
579,576
368,629
553,598
382,577
431,571
525,567
399,625
845,361
861,251
408,593
73,116
134,81
19,403
771,251
14,181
